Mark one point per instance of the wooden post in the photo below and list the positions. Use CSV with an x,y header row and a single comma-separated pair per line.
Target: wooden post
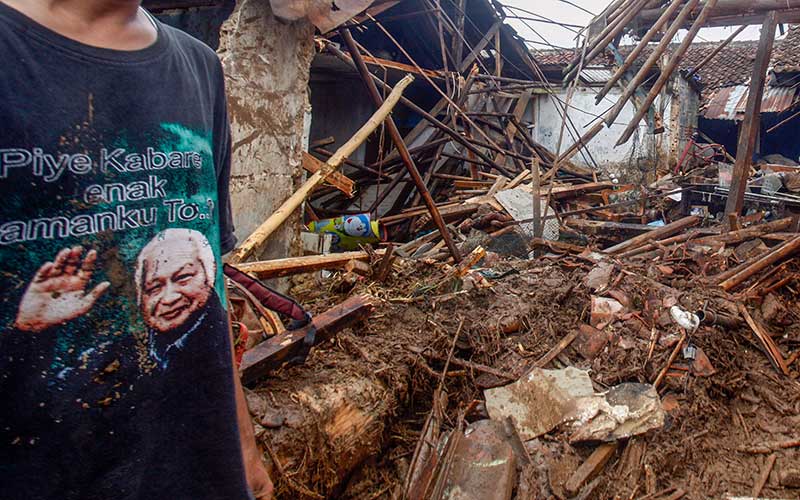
x,y
256,240
752,117
537,199
397,138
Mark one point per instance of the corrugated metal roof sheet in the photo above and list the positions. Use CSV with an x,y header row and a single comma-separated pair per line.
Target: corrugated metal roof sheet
x,y
596,75
728,103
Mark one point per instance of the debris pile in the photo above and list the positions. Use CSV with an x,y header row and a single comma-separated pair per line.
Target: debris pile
x,y
594,373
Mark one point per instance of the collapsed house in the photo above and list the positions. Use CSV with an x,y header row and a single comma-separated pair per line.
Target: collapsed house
x,y
533,295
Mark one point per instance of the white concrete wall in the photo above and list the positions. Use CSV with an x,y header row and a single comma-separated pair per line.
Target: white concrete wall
x,y
267,68
644,151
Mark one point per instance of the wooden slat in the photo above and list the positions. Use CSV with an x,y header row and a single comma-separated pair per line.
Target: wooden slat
x,y
335,179
273,353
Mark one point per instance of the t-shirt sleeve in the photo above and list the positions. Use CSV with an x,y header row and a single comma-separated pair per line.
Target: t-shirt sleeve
x,y
222,161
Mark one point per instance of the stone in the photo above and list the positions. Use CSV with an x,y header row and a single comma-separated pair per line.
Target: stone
x,y
600,276
790,478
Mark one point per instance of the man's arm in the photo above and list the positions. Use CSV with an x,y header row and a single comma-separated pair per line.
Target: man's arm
x,y
257,476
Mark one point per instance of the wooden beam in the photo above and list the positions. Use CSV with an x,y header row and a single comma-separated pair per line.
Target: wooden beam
x,y
277,268
775,255
656,234
751,124
274,352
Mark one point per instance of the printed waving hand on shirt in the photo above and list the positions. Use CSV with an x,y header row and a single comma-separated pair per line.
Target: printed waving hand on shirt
x,y
57,294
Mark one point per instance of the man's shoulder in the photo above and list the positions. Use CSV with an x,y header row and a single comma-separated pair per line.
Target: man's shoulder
x,y
193,48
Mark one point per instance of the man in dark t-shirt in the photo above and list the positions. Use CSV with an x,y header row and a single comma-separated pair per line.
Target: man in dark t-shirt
x,y
116,372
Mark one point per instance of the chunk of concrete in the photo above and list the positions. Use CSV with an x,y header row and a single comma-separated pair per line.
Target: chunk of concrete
x,y
484,466
539,402
625,410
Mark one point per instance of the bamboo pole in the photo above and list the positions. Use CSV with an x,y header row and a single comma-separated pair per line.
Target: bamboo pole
x,y
256,240
666,73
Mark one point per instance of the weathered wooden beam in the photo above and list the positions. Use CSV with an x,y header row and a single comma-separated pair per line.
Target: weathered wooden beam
x,y
733,9
277,268
656,234
751,124
274,352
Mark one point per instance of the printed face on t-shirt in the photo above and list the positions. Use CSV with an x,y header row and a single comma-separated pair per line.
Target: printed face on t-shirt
x,y
175,285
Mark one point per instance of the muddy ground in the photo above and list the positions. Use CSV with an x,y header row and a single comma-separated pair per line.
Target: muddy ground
x,y
711,418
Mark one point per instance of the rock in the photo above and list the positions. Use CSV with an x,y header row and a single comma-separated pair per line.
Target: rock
x,y
749,249
790,478
773,310
484,466
701,366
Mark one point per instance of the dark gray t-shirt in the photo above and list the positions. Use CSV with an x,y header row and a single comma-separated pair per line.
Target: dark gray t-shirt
x,y
115,365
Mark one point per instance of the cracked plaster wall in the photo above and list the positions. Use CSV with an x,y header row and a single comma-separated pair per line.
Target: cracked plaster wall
x,y
267,65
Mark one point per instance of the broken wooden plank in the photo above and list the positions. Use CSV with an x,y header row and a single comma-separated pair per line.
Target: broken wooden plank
x,y
335,179
297,265
777,254
764,476
591,467
556,350
274,352
773,352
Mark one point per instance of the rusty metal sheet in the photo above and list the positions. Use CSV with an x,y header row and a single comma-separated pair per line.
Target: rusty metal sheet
x,y
728,103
